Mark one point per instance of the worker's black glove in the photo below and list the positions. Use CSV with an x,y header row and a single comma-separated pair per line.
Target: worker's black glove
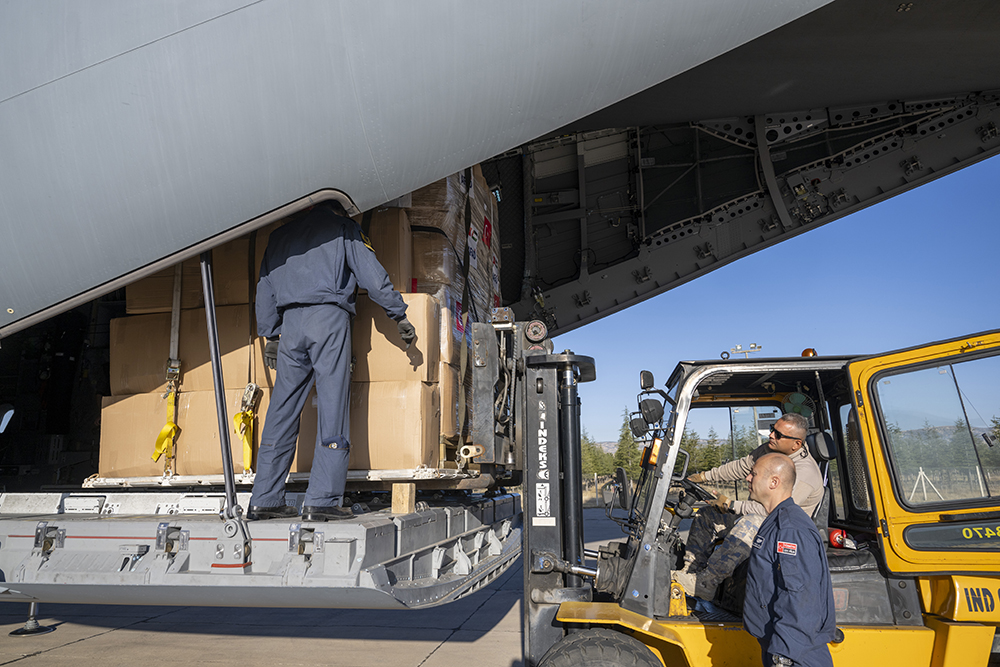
x,y
406,332
271,354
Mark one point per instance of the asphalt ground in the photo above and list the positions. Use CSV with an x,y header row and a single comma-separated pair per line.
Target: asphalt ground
x,y
483,629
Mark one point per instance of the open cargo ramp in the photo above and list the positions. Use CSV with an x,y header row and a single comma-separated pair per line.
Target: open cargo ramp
x,y
172,549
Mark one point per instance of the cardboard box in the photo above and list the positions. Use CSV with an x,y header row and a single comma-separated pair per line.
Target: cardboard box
x,y
434,260
453,333
231,273
391,239
131,424
394,425
380,354
440,194
140,345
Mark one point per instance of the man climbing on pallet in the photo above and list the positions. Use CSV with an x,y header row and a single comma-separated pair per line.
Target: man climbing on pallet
x,y
305,301
737,521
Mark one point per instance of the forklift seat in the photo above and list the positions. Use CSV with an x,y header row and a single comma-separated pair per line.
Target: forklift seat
x,y
823,449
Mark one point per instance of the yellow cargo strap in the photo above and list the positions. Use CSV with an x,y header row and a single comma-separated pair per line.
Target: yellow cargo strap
x,y
165,441
243,427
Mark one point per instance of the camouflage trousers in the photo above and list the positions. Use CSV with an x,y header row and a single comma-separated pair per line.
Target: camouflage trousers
x,y
708,526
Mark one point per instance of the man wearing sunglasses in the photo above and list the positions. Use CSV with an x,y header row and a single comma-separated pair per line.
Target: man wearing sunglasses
x,y
736,522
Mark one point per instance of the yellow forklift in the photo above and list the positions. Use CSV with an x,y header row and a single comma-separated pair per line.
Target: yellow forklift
x,y
908,442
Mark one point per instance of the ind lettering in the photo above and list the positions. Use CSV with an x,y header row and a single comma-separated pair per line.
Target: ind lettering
x,y
543,441
977,600
968,600
543,433
987,599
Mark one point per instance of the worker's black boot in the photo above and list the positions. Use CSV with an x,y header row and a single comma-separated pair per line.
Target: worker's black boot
x,y
280,512
332,513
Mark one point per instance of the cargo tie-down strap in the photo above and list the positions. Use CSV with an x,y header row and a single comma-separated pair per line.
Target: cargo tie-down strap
x,y
243,427
165,440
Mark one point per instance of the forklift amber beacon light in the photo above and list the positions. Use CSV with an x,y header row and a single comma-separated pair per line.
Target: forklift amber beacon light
x,y
651,453
809,352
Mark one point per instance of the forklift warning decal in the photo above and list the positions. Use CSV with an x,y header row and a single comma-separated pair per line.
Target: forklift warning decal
x,y
980,599
543,499
543,444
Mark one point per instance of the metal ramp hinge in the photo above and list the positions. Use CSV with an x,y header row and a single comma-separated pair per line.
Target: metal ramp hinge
x,y
49,537
299,538
171,539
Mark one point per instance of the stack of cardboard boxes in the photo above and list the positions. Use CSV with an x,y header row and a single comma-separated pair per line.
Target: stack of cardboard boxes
x,y
442,235
404,408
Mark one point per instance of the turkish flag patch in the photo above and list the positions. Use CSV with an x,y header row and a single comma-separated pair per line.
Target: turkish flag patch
x,y
787,548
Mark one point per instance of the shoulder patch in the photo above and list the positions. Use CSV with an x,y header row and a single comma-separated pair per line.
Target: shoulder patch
x,y
788,548
366,240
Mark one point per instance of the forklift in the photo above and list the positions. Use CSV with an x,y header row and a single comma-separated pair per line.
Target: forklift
x,y
907,443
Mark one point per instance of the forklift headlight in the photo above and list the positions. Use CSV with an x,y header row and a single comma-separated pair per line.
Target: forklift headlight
x,y
652,410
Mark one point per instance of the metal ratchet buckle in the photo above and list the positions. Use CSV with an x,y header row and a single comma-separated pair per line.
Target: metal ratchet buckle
x,y
249,397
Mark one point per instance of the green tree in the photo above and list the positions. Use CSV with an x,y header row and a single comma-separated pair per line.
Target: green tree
x,y
747,440
594,459
710,454
995,422
962,448
931,446
691,443
627,454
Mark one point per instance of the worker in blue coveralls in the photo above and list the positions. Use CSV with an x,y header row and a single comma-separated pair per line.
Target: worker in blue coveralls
x,y
305,301
789,598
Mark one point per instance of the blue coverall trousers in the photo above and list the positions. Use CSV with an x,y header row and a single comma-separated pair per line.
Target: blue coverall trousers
x,y
315,345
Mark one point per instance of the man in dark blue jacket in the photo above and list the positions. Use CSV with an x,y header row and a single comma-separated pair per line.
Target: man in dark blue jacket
x,y
789,598
308,278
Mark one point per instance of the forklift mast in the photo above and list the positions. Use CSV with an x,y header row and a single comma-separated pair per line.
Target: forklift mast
x,y
552,501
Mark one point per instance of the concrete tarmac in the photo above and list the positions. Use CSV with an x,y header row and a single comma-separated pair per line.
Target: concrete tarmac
x,y
483,629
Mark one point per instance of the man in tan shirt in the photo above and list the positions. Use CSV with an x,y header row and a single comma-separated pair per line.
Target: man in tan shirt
x,y
737,521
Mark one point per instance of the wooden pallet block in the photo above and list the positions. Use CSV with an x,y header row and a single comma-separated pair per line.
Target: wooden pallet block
x,y
404,498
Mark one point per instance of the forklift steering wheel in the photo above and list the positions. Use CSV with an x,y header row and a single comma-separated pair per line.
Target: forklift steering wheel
x,y
697,490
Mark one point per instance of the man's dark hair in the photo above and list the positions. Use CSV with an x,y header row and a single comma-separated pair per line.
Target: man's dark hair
x,y
334,206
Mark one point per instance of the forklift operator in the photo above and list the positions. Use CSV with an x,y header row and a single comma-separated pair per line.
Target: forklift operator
x,y
789,596
306,293
737,521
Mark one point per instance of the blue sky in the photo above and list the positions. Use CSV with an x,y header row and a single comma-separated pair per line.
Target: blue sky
x,y
921,266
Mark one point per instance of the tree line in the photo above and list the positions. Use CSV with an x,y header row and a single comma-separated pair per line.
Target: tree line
x,y
705,453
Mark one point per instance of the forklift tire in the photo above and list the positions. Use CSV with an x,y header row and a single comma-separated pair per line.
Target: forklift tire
x,y
599,647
